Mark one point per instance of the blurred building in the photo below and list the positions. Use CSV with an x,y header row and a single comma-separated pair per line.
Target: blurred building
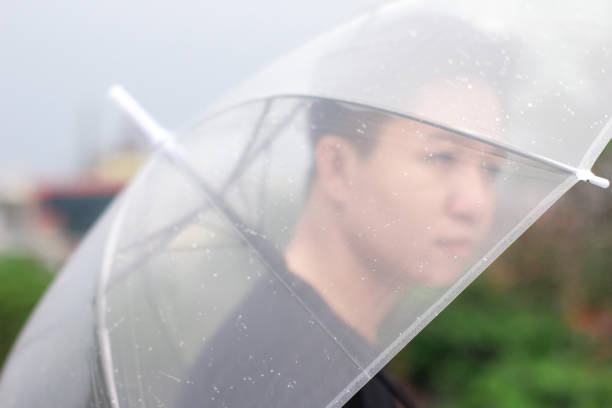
x,y
48,218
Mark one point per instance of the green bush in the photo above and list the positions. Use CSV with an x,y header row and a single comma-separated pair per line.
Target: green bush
x,y
22,282
504,348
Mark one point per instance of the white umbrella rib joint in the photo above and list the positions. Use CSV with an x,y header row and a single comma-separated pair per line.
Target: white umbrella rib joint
x,y
280,250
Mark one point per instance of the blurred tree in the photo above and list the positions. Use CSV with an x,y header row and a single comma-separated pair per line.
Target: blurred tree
x,y
22,281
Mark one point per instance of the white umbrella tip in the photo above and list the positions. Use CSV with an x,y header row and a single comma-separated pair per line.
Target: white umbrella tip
x,y
600,182
589,177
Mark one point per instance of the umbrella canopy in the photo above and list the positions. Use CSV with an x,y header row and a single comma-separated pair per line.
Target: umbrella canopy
x,y
281,249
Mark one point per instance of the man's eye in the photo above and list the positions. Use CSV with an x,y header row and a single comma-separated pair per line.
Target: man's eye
x,y
442,158
492,170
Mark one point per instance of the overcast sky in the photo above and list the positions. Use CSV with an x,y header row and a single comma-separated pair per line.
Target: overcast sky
x,y
58,59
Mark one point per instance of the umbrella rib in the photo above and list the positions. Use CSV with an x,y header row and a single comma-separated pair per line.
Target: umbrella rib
x,y
249,147
247,161
581,174
250,153
119,94
166,233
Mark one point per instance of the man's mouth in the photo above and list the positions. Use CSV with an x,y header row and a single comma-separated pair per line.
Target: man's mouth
x,y
455,246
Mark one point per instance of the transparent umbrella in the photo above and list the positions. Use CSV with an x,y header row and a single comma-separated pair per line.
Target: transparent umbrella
x,y
280,250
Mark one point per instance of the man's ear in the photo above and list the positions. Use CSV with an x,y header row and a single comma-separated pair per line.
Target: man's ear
x,y
336,167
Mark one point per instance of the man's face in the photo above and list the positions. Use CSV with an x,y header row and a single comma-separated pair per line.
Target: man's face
x,y
422,201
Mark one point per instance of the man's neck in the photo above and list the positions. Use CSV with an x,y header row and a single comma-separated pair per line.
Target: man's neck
x,y
321,256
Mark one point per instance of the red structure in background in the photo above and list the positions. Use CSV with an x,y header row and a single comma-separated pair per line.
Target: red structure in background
x,y
48,218
75,207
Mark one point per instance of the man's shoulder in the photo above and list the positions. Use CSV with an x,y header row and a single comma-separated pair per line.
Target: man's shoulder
x,y
265,347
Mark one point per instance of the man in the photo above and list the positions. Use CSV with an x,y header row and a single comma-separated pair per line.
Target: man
x,y
407,209
399,204
392,204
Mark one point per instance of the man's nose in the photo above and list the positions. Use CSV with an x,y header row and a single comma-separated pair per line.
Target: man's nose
x,y
469,197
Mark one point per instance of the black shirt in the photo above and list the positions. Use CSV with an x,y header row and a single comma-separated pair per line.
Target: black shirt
x,y
238,366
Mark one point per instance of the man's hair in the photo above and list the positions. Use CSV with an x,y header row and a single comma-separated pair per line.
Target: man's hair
x,y
467,52
360,126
